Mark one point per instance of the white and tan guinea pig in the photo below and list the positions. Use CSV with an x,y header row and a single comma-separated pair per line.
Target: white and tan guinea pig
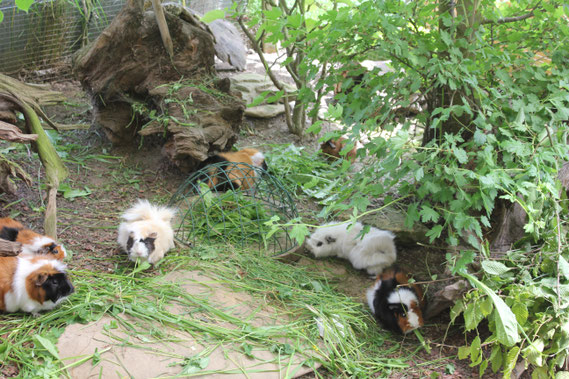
x,y
235,175
146,233
32,243
32,284
395,303
374,252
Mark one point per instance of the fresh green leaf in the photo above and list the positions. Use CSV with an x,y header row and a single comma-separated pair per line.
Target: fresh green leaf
x,y
506,323
495,268
212,15
46,344
24,4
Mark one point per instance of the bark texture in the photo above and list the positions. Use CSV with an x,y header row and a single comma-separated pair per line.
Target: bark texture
x,y
128,65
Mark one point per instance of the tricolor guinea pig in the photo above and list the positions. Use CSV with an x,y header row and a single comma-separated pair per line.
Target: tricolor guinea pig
x,y
395,303
146,233
233,174
32,284
374,252
332,148
32,243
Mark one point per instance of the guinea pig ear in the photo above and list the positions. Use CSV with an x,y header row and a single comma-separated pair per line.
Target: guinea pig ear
x,y
330,239
40,279
153,235
332,144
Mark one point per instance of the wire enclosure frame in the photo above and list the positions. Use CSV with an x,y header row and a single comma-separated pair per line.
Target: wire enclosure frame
x,y
231,202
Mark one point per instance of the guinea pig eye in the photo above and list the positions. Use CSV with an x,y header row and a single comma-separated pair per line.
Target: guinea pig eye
x,y
319,243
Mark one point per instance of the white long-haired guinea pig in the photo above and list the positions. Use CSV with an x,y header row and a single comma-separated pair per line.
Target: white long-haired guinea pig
x,y
32,284
395,303
374,252
146,233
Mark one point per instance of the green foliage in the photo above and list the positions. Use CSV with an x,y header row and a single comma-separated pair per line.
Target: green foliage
x,y
228,216
493,101
24,4
531,309
509,151
306,173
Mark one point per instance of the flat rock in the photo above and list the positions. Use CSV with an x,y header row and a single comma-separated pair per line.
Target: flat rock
x,y
132,352
393,219
250,86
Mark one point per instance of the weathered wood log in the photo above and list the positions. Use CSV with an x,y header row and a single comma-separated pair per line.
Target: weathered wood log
x,y
163,27
9,132
9,248
7,114
128,65
33,95
55,170
9,170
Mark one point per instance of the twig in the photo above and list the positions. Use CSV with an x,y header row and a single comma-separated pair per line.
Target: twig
x,y
274,79
436,280
163,28
508,19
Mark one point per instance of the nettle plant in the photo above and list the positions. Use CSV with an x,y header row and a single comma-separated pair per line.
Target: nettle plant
x,y
488,82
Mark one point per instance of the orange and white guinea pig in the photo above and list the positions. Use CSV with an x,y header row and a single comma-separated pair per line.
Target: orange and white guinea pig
x,y
395,303
32,284
32,243
234,174
332,148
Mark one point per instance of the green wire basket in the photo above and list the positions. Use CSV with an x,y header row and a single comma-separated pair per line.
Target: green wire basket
x,y
228,211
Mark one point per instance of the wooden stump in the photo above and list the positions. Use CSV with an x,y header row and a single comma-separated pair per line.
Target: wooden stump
x,y
129,65
9,248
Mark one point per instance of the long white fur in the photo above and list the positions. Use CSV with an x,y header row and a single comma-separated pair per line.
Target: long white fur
x,y
30,249
370,295
405,296
375,252
142,220
257,159
17,298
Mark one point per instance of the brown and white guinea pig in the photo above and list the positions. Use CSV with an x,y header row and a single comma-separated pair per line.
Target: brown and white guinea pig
x,y
395,303
331,149
32,284
233,173
32,243
146,233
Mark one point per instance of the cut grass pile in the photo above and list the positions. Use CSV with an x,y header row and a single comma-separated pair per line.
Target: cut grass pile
x,y
353,345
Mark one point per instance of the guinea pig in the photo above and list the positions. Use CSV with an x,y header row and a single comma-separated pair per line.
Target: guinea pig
x,y
332,148
395,303
233,174
32,284
32,243
374,252
146,233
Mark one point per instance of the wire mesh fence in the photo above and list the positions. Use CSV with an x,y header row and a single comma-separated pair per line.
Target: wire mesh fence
x,y
232,202
38,45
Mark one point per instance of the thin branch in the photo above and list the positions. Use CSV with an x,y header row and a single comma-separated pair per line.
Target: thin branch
x,y
269,72
508,19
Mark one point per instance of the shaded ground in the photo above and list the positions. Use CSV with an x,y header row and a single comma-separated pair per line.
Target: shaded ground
x,y
115,177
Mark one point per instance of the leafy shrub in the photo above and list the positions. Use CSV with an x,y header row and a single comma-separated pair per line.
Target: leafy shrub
x,y
494,104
